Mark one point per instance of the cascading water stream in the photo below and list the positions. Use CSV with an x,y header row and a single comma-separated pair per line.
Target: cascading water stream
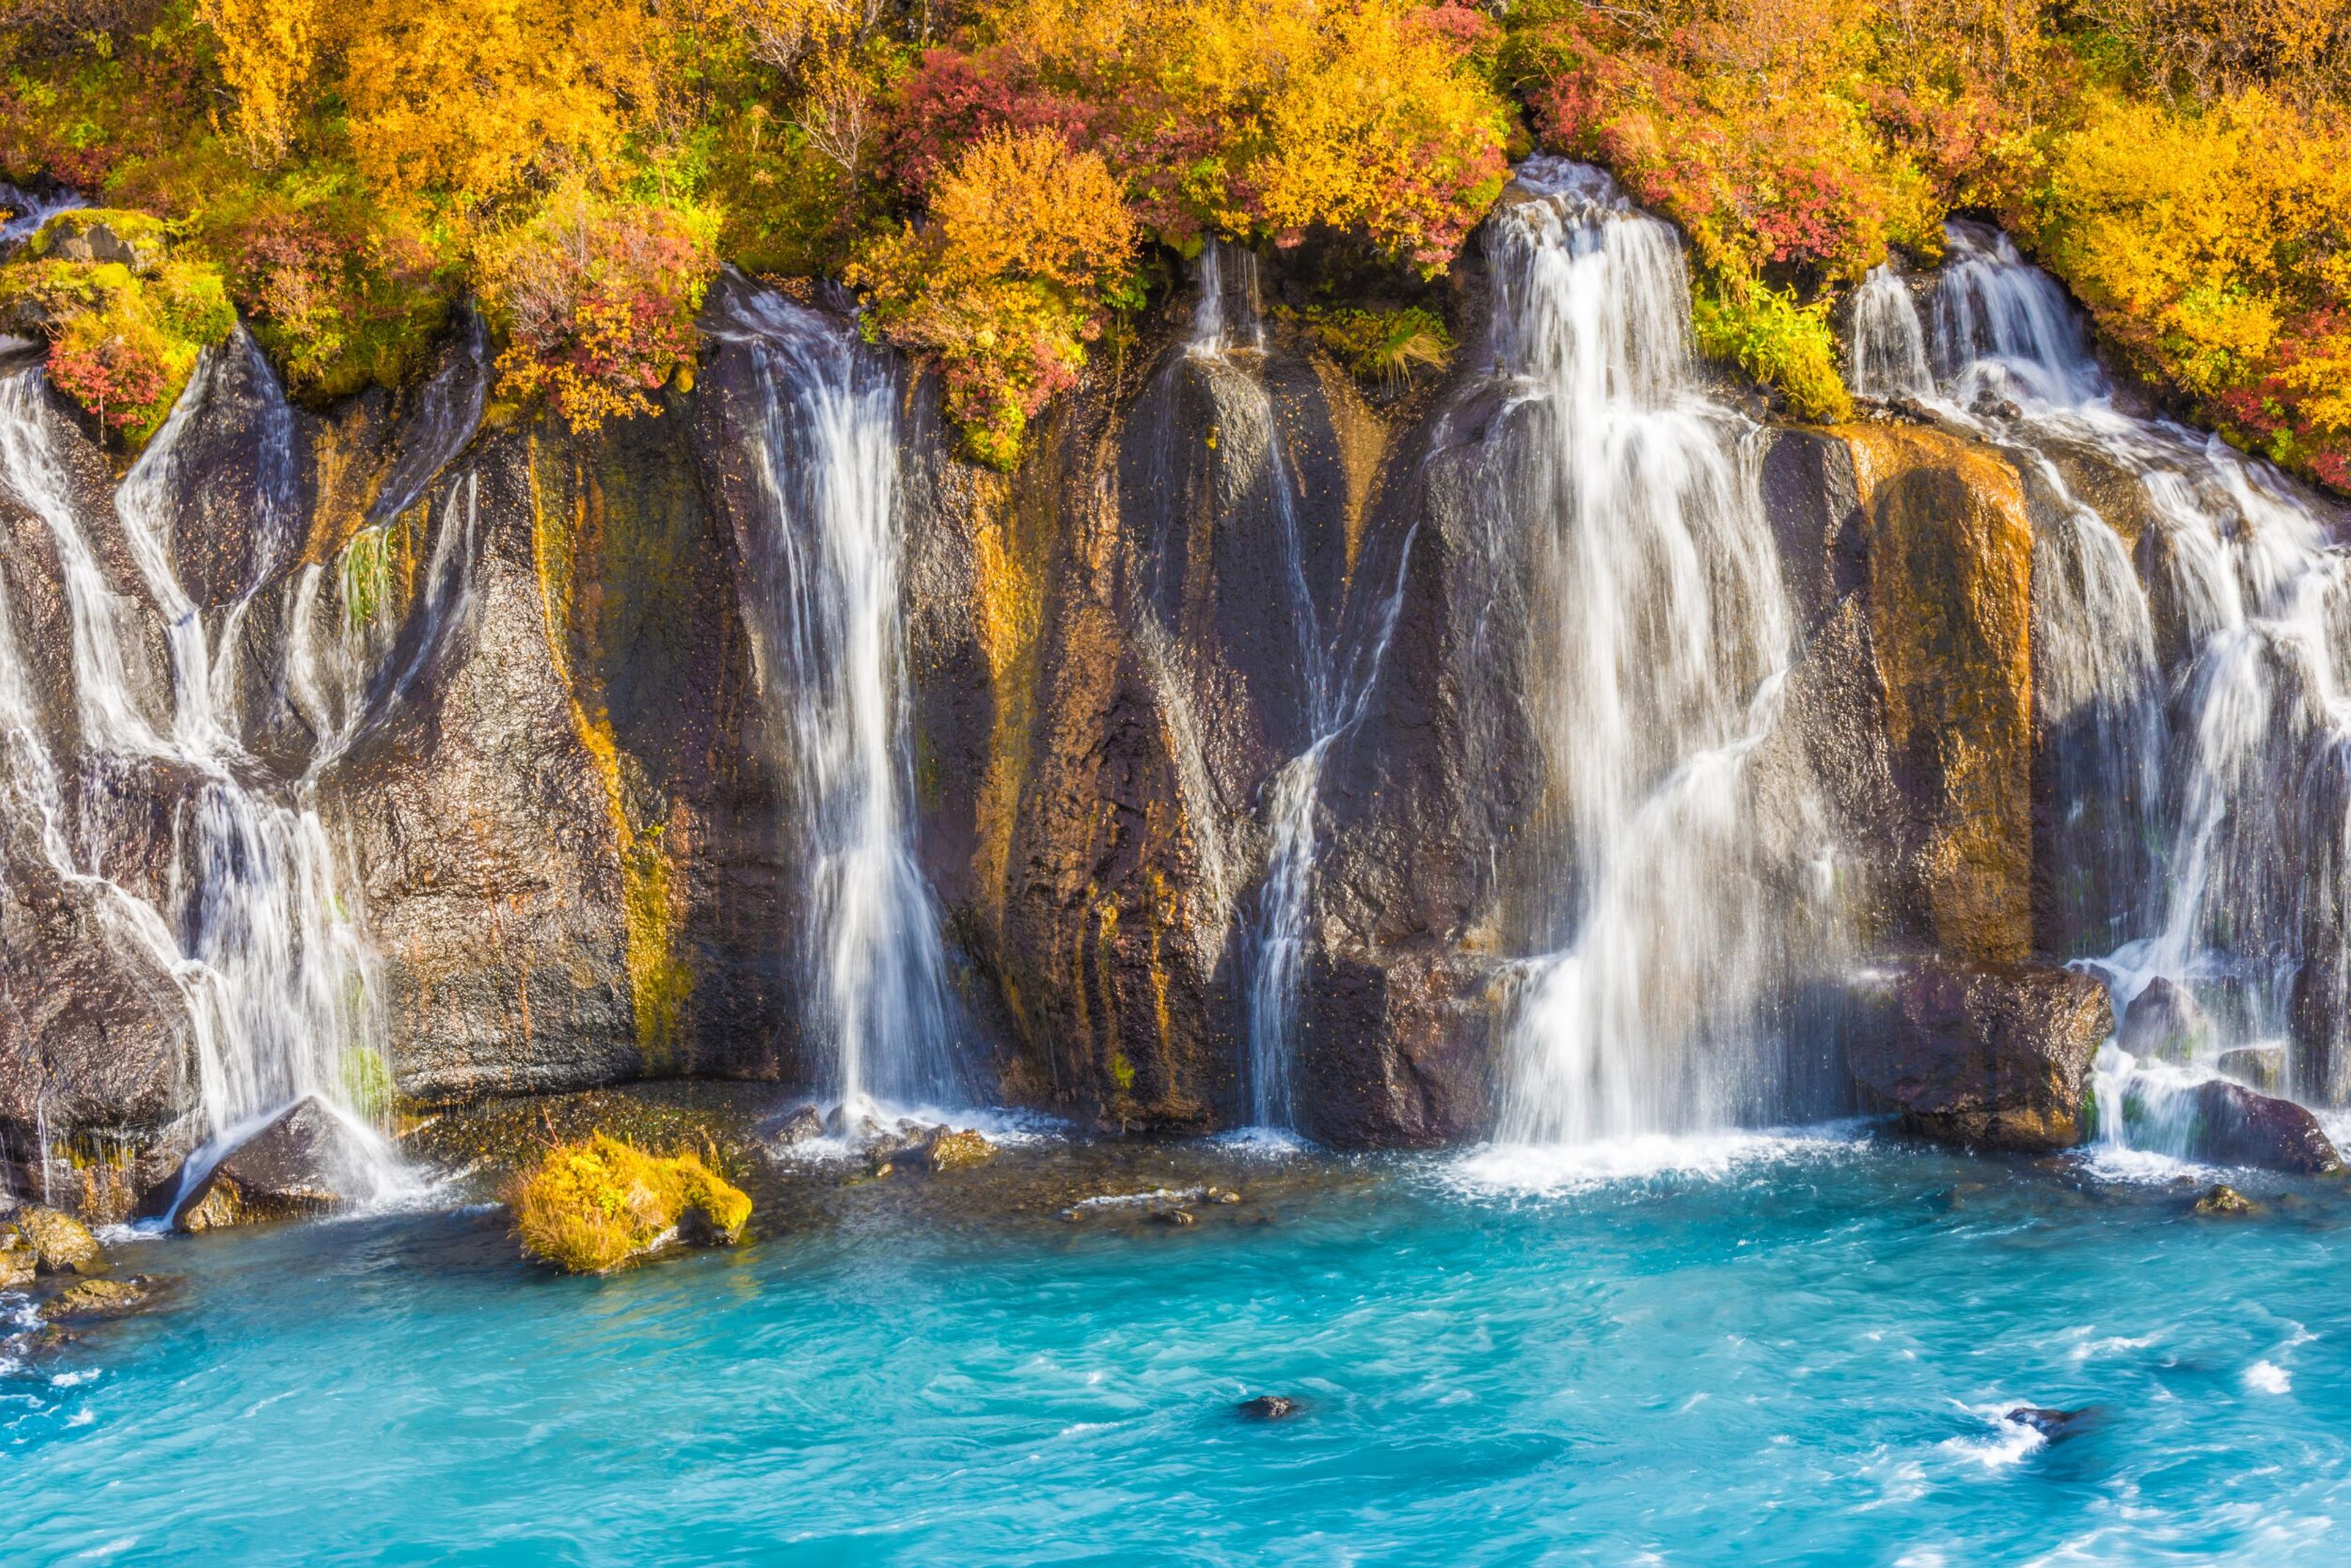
x,y
1334,689
822,600
1661,632
257,930
2189,684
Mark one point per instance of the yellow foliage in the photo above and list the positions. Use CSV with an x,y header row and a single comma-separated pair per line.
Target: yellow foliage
x,y
1028,245
784,33
593,1207
475,99
266,55
2196,234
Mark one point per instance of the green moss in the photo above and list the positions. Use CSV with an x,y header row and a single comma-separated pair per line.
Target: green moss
x,y
367,1084
1381,346
1122,1071
365,575
147,235
1786,346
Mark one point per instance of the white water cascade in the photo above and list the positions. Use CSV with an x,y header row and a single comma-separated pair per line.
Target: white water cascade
x,y
259,926
2192,635
1661,630
822,600
1334,683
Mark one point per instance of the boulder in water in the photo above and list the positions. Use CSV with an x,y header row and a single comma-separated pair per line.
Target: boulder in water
x,y
295,1168
2225,1199
85,1300
594,1206
2163,1022
791,1129
2051,1424
60,1243
2235,1126
1990,1056
17,1263
1269,1407
2259,1067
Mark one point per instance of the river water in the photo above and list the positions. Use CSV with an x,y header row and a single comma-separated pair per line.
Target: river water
x,y
1772,1349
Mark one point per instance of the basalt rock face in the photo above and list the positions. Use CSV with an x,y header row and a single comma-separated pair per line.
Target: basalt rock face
x,y
568,847
1986,1056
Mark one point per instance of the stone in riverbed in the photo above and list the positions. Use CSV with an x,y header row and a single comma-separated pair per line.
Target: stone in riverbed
x,y
2163,1022
2235,1126
1991,1056
2226,1199
1269,1407
17,1264
85,1300
2260,1067
2050,1424
61,1244
791,1129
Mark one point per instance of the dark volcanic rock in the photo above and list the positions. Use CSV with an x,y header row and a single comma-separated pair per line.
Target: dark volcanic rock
x,y
2235,1126
297,1166
2163,1021
1989,1056
2051,1424
1269,1407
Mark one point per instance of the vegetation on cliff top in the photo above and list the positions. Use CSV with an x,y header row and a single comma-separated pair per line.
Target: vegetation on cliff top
x,y
1006,179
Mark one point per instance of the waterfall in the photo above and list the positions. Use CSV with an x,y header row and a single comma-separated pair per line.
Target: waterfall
x,y
822,597
1228,341
260,926
2192,641
1889,352
1660,635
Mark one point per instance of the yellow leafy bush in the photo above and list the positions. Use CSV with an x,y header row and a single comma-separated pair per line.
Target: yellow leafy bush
x,y
593,1207
267,50
2214,244
1028,248
472,101
596,301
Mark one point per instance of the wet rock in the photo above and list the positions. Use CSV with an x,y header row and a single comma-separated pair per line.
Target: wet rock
x,y
1269,1407
61,1244
2235,1126
951,1150
2050,1424
88,1301
2259,1067
18,1263
1989,1056
296,1166
1177,1217
2224,1198
2163,1022
840,1123
791,1129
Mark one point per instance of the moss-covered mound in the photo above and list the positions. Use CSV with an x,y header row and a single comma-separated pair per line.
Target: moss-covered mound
x,y
591,1207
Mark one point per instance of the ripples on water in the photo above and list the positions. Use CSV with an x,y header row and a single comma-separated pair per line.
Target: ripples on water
x,y
1789,1349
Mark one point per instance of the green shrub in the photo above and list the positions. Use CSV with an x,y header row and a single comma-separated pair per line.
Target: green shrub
x,y
1786,346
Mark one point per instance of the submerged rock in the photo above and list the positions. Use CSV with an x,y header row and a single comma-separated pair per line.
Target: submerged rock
x,y
85,1300
2163,1022
2235,1126
2260,1067
1269,1407
2226,1199
61,1244
2051,1424
1991,1056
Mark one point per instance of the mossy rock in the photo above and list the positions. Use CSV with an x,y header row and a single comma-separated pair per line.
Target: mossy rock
x,y
87,1299
61,1244
103,234
599,1204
